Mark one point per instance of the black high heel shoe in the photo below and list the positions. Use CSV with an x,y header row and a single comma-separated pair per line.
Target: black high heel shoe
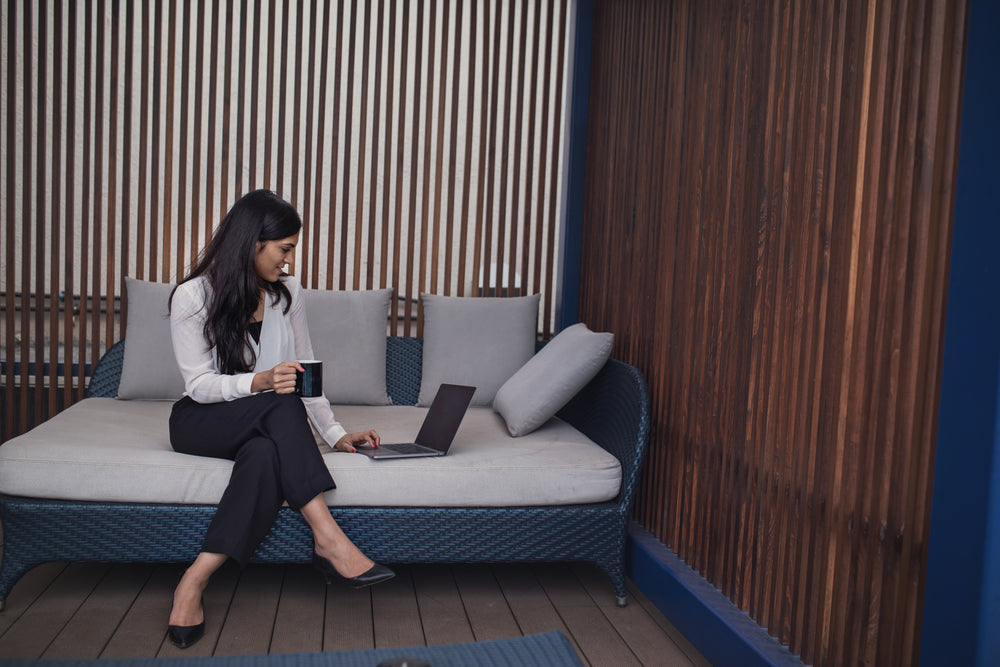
x,y
376,574
183,636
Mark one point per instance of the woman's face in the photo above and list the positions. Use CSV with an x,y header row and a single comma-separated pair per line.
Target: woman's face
x,y
272,256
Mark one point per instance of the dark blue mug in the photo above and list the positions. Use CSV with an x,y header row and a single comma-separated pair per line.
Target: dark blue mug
x,y
309,383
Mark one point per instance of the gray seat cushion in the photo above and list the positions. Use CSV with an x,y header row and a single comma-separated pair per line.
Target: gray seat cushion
x,y
104,449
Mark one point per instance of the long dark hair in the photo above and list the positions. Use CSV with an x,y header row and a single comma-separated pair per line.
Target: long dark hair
x,y
228,264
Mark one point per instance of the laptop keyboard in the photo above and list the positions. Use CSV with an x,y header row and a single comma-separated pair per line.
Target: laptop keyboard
x,y
407,448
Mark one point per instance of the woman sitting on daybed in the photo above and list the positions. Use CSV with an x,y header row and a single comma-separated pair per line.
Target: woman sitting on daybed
x,y
237,322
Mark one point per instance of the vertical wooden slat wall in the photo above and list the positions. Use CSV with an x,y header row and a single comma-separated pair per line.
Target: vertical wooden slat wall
x,y
131,127
767,222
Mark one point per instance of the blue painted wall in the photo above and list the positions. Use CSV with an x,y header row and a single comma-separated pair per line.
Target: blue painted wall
x,y
961,624
569,310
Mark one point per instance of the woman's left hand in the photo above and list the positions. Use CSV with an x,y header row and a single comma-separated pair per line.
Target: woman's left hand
x,y
349,442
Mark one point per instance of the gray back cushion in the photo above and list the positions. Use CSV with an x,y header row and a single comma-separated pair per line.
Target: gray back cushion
x,y
149,370
477,341
348,331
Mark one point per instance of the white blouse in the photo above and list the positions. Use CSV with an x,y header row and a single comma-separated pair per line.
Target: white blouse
x,y
283,337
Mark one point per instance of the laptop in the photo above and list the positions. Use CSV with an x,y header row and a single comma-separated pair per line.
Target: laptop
x,y
438,430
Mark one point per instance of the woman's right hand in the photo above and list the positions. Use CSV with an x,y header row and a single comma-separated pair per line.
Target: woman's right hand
x,y
281,378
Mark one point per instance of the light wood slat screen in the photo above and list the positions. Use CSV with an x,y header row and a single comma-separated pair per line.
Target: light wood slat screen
x,y
768,209
422,142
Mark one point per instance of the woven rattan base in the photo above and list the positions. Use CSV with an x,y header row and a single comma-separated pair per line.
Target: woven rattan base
x,y
37,531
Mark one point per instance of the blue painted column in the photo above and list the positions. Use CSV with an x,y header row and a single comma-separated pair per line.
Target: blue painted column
x,y
569,308
961,620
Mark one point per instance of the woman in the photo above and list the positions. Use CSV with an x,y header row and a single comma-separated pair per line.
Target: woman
x,y
237,321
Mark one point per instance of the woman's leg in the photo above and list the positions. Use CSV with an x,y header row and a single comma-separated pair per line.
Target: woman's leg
x,y
330,541
187,608
275,459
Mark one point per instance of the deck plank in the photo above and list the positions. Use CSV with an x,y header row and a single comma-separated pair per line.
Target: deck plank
x,y
250,622
218,601
121,612
349,620
593,633
298,626
635,626
142,631
395,612
440,602
533,610
27,590
489,614
42,622
668,629
90,629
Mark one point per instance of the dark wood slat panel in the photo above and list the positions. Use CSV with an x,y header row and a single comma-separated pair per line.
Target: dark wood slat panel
x,y
169,173
359,227
344,218
388,13
254,57
269,105
40,226
314,180
397,252
184,251
419,269
553,224
154,168
70,215
54,262
376,228
10,220
788,319
239,185
85,205
414,140
433,224
198,210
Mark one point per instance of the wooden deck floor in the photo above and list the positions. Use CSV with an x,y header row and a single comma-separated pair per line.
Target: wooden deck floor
x,y
117,611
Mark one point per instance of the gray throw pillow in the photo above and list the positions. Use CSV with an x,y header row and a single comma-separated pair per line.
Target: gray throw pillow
x,y
552,377
348,332
477,341
149,370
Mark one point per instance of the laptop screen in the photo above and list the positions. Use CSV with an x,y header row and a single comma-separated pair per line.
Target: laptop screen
x,y
445,416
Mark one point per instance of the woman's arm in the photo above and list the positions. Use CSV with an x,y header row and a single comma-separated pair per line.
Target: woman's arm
x,y
202,380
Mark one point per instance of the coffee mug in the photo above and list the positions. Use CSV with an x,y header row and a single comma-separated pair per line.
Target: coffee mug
x,y
309,383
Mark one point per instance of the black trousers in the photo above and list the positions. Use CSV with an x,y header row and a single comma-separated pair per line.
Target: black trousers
x,y
268,438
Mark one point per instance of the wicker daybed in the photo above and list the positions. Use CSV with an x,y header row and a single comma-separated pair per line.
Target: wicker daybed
x,y
612,411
